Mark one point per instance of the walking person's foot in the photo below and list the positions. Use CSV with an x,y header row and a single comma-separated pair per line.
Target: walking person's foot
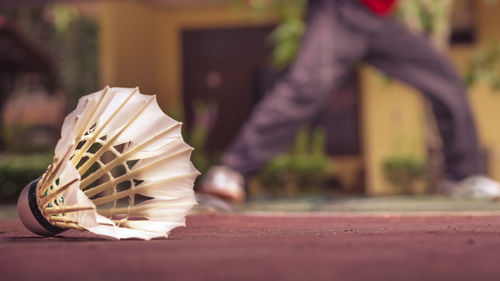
x,y
223,182
472,187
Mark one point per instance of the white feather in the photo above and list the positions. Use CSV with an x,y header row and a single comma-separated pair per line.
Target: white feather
x,y
133,136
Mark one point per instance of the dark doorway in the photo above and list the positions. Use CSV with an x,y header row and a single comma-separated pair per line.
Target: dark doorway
x,y
230,67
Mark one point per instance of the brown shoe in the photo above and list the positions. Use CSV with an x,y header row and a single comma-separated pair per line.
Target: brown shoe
x,y
224,182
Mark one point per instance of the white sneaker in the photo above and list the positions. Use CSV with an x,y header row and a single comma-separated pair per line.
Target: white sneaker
x,y
222,181
473,187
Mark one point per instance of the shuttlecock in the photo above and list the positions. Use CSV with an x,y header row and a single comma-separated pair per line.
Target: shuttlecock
x,y
121,169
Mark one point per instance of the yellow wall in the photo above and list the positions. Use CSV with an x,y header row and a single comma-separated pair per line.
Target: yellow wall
x,y
486,104
141,46
485,101
126,46
392,125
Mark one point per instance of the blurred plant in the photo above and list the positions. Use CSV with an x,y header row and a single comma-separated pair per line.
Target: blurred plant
x,y
286,36
19,170
404,171
484,65
431,17
303,168
61,16
205,117
74,42
21,139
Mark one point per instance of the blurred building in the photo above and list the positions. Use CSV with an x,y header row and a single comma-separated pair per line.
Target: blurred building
x,y
199,49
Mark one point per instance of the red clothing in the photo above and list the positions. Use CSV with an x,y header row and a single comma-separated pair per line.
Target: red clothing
x,y
379,7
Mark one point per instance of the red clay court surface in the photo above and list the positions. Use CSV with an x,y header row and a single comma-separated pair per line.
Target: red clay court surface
x,y
245,247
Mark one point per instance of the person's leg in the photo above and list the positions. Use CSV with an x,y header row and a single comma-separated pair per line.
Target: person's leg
x,y
412,59
327,54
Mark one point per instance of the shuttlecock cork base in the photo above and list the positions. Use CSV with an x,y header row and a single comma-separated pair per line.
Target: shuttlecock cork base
x,y
31,216
121,170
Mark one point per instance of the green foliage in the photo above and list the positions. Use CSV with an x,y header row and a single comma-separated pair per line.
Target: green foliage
x,y
403,171
18,170
286,37
484,66
73,41
204,121
17,139
63,16
303,168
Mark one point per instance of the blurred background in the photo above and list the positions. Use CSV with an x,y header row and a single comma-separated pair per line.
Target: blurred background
x,y
210,61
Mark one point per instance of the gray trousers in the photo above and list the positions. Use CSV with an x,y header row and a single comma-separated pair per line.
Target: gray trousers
x,y
339,35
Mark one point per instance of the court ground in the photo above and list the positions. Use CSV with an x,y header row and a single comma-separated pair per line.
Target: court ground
x,y
353,239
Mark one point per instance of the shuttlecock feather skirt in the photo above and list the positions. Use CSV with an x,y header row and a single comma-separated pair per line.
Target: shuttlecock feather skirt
x,y
121,169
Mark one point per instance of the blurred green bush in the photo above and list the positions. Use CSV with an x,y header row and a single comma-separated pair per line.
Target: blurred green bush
x,y
404,171
17,170
291,26
301,170
484,66
205,117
